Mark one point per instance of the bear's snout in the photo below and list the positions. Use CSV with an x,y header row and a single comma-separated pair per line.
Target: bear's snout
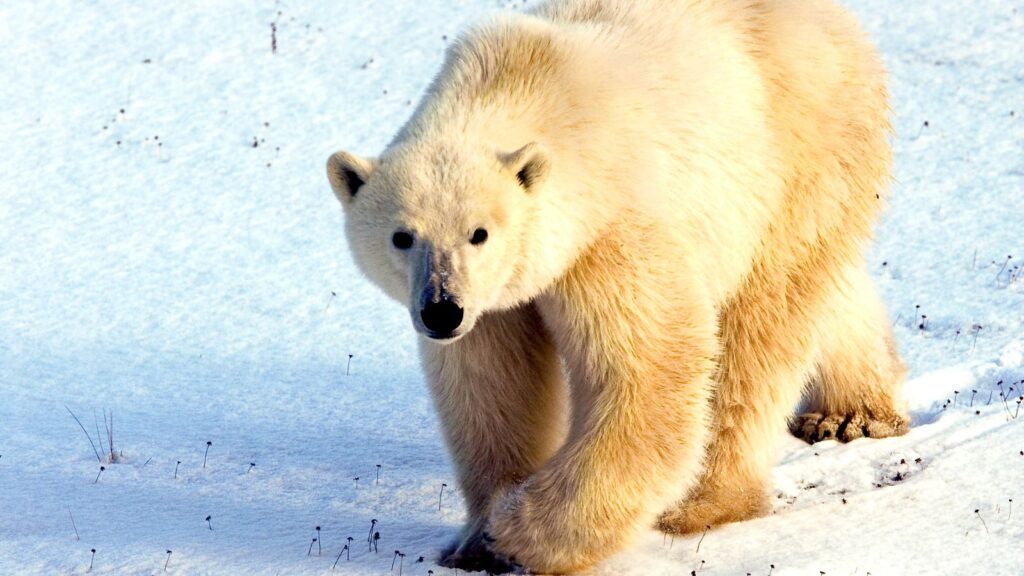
x,y
441,318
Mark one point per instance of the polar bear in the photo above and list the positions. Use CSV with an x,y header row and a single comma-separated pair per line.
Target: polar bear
x,y
630,235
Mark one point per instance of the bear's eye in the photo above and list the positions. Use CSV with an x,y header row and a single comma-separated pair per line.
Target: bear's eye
x,y
479,237
402,240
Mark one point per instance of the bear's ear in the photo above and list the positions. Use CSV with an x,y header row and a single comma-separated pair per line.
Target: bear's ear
x,y
530,165
347,174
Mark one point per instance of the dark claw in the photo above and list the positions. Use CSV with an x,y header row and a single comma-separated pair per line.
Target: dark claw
x,y
474,555
485,562
448,551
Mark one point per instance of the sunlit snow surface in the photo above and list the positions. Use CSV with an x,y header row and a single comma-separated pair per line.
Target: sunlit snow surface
x,y
156,263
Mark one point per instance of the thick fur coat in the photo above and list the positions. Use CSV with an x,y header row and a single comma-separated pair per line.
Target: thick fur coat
x,y
631,234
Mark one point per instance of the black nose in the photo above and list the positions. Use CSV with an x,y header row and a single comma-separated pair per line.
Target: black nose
x,y
441,318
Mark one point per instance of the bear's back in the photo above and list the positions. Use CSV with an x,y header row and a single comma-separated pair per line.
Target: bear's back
x,y
822,83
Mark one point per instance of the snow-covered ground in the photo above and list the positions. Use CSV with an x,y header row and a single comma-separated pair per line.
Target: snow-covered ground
x,y
170,252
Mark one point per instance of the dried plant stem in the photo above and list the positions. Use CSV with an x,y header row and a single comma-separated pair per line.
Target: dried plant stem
x,y
72,516
87,435
706,528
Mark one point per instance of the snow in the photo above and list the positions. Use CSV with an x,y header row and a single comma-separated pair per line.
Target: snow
x,y
156,264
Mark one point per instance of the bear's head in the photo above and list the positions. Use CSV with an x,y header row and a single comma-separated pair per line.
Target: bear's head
x,y
441,227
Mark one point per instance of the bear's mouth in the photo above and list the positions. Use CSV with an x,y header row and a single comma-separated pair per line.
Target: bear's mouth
x,y
443,337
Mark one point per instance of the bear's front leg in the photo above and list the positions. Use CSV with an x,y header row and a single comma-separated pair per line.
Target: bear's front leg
x,y
500,395
640,354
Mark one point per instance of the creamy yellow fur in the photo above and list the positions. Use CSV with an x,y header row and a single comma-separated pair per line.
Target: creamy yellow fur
x,y
682,257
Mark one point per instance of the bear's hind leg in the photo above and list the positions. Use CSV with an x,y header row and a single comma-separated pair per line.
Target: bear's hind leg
x,y
856,392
